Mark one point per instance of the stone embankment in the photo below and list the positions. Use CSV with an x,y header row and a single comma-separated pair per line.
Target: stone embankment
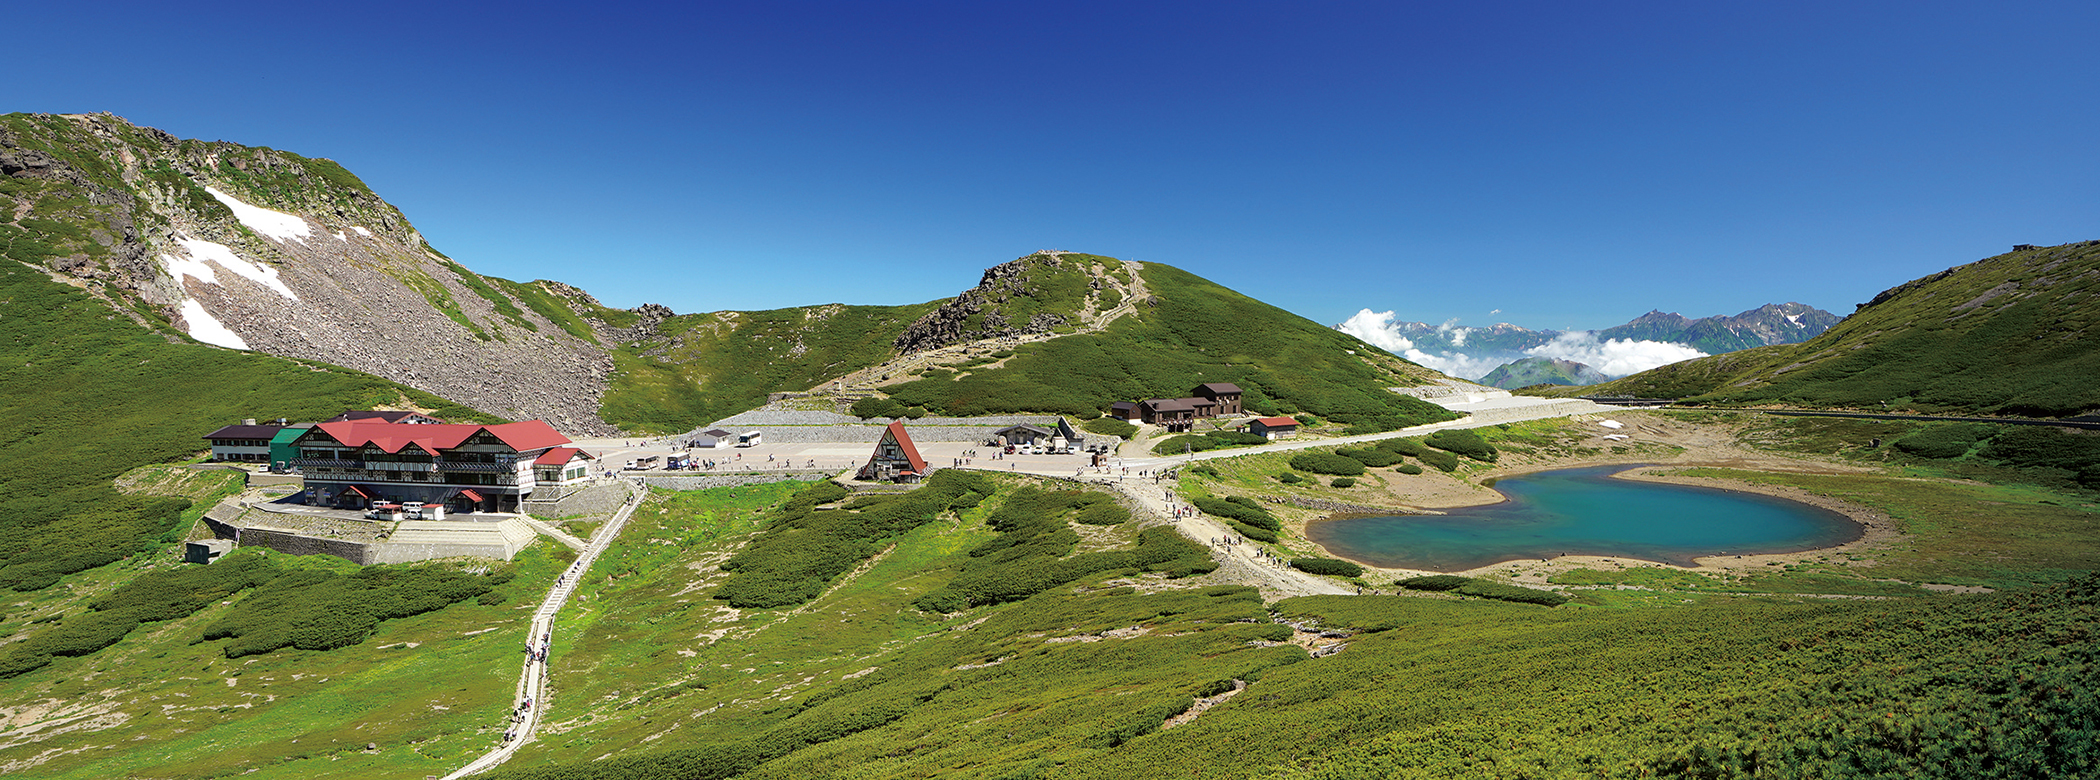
x,y
735,480
812,427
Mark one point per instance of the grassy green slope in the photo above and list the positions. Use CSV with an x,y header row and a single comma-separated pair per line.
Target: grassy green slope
x,y
1198,332
91,395
429,691
1076,681
703,367
2014,334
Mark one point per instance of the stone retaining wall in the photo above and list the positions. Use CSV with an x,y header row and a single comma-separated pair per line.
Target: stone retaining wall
x,y
733,480
291,543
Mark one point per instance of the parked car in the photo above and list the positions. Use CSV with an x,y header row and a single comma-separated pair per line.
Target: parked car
x,y
412,509
383,511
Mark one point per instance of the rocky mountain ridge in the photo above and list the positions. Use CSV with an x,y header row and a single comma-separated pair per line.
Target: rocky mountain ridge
x,y
263,250
1043,293
255,248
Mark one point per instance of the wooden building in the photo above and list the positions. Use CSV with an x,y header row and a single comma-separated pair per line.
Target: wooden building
x,y
1225,394
1213,399
895,459
1273,427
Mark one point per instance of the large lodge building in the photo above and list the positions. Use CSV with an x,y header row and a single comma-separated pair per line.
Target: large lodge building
x,y
489,468
1208,400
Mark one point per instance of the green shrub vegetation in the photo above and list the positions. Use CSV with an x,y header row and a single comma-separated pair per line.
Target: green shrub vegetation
x,y
1501,592
703,367
1029,555
1104,513
313,609
1240,508
1199,442
1434,582
1443,461
1245,515
1408,468
2007,335
1290,478
73,367
803,549
1109,426
1319,462
872,408
1463,442
1945,440
1330,567
1371,458
1285,364
1404,445
1343,482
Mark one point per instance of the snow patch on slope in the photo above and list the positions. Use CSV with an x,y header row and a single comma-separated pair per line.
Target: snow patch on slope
x,y
201,251
275,224
361,231
208,329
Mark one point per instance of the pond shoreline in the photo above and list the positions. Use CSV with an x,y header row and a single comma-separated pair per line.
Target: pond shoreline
x,y
1876,529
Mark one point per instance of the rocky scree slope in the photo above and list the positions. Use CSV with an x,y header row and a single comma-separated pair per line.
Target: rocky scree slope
x,y
260,249
2014,334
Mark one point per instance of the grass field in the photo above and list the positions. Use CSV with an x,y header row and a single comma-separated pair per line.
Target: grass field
x,y
425,690
1686,678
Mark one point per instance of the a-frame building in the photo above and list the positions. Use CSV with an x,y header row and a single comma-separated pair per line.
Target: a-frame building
x,y
896,459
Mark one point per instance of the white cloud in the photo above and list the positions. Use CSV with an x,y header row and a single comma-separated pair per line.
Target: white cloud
x,y
1458,364
1376,329
1614,357
275,224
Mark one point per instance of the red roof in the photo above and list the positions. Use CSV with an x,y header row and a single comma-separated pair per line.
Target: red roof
x,y
353,489
559,456
392,437
1278,422
911,452
471,495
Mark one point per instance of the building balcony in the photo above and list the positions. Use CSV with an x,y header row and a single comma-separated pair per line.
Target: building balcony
x,y
483,468
327,463
377,465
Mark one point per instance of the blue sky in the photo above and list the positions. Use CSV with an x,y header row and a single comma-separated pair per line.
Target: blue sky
x,y
1569,164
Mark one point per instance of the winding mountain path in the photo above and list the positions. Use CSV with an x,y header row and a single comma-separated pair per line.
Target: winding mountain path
x,y
530,700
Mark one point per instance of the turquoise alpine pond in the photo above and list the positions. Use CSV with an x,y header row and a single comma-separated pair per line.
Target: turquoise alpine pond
x,y
1586,512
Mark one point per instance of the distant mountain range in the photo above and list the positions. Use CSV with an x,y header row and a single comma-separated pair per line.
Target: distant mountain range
x,y
2012,334
1652,339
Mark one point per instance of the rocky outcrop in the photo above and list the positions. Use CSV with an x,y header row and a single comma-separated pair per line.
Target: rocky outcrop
x,y
979,312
